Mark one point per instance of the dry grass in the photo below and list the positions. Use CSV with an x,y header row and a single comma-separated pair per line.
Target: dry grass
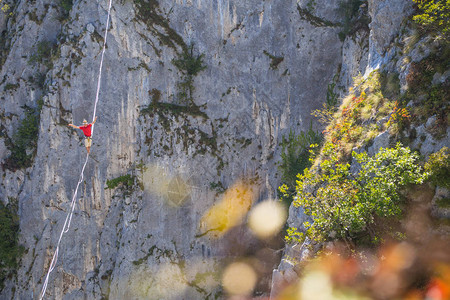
x,y
355,122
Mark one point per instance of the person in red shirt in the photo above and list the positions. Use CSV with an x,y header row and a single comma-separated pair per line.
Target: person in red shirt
x,y
87,130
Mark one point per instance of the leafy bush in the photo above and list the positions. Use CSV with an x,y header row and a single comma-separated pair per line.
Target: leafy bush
x,y
307,15
345,205
399,117
24,139
127,181
38,80
4,7
421,73
326,113
10,251
438,165
346,129
190,65
332,97
11,86
164,108
390,84
434,15
150,13
295,153
359,119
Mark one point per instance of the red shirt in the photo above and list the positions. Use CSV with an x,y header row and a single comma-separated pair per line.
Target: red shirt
x,y
86,129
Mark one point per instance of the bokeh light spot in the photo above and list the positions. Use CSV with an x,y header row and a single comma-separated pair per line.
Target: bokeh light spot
x,y
267,218
239,279
316,285
230,211
173,189
177,191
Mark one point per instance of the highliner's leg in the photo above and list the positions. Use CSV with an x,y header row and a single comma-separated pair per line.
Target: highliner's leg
x,y
88,143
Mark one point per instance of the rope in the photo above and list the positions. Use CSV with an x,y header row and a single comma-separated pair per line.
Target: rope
x,y
68,220
101,65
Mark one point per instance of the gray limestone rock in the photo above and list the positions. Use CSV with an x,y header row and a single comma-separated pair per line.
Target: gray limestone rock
x,y
363,55
387,17
354,57
421,50
266,69
440,78
440,205
380,141
90,28
297,217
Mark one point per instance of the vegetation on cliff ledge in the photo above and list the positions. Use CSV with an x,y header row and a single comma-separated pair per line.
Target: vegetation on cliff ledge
x,y
295,154
433,16
347,193
189,65
10,251
344,203
351,196
23,145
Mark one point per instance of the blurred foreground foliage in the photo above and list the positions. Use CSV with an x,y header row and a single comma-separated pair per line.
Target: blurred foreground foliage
x,y
402,270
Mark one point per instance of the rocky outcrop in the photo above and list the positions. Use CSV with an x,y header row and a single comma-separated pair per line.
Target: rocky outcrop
x,y
391,46
185,134
194,101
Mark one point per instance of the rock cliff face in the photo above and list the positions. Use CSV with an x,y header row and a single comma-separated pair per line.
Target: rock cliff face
x,y
391,49
195,97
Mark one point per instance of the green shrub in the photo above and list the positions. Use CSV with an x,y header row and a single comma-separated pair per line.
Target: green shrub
x,y
217,186
38,80
162,108
434,15
390,84
5,46
10,251
311,5
126,180
307,15
421,73
326,113
25,139
295,153
332,97
190,65
66,7
438,166
4,7
11,86
344,205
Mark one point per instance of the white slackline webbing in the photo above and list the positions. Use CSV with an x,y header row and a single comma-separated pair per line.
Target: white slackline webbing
x,y
68,220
